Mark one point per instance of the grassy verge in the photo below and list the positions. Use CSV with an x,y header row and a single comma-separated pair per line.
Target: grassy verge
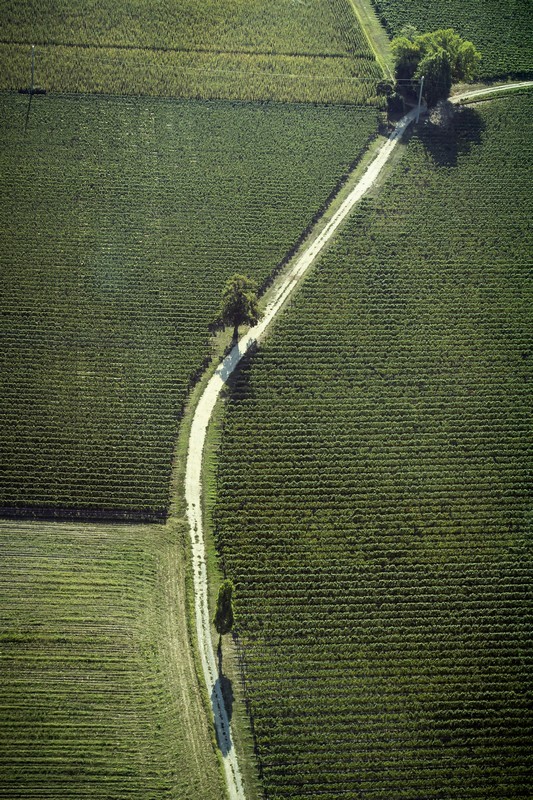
x,y
232,686
375,33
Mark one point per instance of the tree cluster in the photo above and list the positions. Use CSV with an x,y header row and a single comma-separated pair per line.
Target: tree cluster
x,y
441,57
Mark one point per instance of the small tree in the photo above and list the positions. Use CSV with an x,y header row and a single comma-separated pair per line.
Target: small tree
x,y
223,620
239,304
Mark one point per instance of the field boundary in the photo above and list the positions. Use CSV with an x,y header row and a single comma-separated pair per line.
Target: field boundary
x,y
167,49
375,34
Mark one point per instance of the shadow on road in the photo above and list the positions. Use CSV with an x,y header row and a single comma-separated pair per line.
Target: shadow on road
x,y
223,692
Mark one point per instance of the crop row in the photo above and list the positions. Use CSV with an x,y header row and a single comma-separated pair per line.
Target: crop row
x,y
122,222
373,483
195,76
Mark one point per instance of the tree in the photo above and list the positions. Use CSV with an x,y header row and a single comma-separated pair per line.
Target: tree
x,y
223,620
407,56
410,32
239,304
467,61
437,73
463,56
441,56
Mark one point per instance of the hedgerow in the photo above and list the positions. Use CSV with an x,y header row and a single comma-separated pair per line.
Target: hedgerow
x,y
122,221
373,489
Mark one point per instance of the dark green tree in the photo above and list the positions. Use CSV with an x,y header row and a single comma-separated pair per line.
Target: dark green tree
x,y
407,56
239,304
437,73
441,56
223,620
463,57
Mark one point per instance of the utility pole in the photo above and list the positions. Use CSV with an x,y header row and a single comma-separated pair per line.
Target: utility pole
x,y
32,67
419,97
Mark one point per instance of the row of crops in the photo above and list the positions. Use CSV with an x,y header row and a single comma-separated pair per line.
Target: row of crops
x,y
252,50
89,703
373,484
501,31
284,78
121,221
276,26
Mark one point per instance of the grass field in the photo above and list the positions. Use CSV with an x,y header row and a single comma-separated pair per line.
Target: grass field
x,y
373,486
501,31
99,694
280,49
121,220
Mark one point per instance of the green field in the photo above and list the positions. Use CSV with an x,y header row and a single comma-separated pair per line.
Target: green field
x,y
287,50
373,485
368,470
121,220
502,30
99,694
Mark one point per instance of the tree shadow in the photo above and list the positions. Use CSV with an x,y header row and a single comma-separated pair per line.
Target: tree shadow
x,y
222,699
238,379
451,132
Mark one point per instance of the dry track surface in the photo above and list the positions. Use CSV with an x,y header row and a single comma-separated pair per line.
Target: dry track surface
x,y
202,415
480,93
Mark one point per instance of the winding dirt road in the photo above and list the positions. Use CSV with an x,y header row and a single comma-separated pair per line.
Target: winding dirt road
x,y
193,474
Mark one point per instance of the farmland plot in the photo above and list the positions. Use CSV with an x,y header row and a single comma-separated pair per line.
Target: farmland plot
x,y
99,693
121,220
280,49
502,30
373,486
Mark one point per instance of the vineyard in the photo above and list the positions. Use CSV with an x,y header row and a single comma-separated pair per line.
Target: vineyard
x,y
501,31
95,703
122,219
368,469
251,50
373,486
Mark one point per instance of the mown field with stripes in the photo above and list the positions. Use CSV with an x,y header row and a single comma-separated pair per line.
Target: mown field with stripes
x,y
99,692
373,488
